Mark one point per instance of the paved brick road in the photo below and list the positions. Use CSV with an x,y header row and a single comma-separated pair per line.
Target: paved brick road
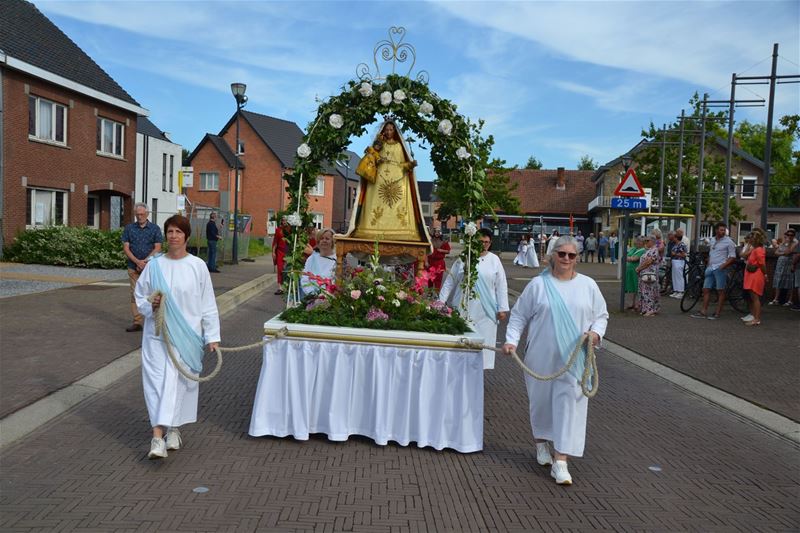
x,y
87,470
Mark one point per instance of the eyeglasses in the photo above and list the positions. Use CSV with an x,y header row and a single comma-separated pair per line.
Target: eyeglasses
x,y
562,255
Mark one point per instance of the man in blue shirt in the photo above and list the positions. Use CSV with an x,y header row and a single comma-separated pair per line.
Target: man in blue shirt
x,y
140,240
212,236
721,255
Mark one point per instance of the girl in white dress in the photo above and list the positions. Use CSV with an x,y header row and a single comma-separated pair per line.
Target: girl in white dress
x,y
192,321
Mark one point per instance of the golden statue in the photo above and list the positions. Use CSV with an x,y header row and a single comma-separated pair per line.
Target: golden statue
x,y
388,206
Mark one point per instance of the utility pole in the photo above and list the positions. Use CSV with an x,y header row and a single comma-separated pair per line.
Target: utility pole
x,y
699,201
661,174
680,167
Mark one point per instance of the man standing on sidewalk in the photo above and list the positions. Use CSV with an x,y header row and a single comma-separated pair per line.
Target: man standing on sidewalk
x,y
721,255
212,236
140,240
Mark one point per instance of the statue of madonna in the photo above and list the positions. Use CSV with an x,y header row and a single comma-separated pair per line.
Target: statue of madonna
x,y
388,206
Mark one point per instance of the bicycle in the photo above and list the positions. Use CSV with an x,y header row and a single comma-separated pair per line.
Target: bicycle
x,y
695,274
734,285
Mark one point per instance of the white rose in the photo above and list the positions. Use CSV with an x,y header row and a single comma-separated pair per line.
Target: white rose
x,y
303,150
396,302
336,121
365,89
470,229
399,95
294,220
446,127
462,153
386,98
426,108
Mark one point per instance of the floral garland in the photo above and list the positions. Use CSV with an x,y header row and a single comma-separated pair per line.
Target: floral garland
x,y
459,154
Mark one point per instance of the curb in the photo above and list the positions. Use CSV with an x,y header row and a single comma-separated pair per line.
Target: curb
x,y
32,416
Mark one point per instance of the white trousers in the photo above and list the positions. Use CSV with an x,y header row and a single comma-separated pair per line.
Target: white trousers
x,y
677,275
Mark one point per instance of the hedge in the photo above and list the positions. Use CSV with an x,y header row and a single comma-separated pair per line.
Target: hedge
x,y
68,246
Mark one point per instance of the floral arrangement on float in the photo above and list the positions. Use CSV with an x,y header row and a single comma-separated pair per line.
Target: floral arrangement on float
x,y
460,155
378,297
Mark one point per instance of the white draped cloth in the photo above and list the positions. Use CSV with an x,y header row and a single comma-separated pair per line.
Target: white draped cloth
x,y
522,254
323,266
433,397
491,270
557,408
171,398
532,259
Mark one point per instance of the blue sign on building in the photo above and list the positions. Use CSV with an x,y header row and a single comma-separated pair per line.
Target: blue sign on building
x,y
637,204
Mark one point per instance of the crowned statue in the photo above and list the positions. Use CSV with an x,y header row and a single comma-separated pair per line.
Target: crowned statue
x,y
388,206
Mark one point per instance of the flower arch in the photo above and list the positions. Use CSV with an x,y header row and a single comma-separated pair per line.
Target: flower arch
x,y
459,153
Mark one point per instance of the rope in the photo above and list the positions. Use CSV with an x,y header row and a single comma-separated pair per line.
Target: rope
x,y
163,332
590,364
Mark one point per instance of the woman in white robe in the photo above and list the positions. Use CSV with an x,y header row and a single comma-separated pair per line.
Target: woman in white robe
x,y
522,253
170,397
484,313
321,263
532,258
558,408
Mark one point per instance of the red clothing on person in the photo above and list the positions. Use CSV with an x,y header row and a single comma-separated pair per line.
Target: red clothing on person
x,y
279,249
754,281
436,259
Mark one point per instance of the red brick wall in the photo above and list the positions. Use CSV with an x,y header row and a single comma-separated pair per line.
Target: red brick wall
x,y
208,159
57,167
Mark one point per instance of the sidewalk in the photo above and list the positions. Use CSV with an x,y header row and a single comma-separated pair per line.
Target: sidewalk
x,y
51,339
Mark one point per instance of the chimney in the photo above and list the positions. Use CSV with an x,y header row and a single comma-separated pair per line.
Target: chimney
x,y
561,179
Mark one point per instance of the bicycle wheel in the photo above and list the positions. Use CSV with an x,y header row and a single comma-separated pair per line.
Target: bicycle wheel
x,y
692,292
734,292
665,280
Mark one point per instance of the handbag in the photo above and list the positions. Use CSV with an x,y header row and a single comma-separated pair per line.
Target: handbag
x,y
752,267
649,277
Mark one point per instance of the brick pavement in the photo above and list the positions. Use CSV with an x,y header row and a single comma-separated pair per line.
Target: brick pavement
x,y
51,339
87,471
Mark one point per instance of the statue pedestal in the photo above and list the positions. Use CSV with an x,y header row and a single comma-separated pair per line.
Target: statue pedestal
x,y
345,245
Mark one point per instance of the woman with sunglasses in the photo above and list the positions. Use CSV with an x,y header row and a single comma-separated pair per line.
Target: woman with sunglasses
x,y
649,289
491,305
783,278
557,307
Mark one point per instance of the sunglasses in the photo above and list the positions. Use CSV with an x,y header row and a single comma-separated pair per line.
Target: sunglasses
x,y
562,255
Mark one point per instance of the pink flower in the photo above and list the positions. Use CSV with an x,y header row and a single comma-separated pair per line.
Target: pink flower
x,y
381,298
401,295
355,294
376,314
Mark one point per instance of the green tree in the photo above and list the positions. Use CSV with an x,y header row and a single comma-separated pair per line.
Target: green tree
x,y
499,189
533,163
185,156
587,163
784,190
648,161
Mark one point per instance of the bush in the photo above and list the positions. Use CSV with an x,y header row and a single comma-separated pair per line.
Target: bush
x,y
68,246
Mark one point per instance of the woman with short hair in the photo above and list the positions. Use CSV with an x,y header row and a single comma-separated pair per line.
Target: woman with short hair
x,y
557,308
649,289
321,264
192,321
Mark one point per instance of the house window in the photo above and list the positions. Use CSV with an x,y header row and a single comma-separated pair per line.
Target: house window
x,y
110,137
154,207
240,151
271,224
171,173
772,230
209,181
93,211
319,188
317,219
46,208
748,188
744,229
795,227
164,172
47,120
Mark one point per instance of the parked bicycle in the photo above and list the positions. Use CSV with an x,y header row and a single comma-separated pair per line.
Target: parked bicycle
x,y
734,286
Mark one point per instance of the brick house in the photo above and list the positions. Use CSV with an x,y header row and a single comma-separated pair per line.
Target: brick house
x,y
267,151
344,192
158,161
746,170
68,140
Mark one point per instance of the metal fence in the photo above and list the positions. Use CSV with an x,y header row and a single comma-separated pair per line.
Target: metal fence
x,y
198,216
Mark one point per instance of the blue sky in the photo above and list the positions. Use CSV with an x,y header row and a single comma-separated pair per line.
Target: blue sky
x,y
552,79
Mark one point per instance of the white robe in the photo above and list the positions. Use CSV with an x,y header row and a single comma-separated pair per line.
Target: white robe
x,y
171,398
491,270
522,254
532,258
557,408
319,265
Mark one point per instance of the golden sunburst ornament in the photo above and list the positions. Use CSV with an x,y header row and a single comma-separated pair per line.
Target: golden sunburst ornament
x,y
390,192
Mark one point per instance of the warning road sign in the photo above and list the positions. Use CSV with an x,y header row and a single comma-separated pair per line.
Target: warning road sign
x,y
629,186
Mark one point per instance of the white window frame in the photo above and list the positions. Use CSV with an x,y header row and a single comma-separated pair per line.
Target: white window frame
x,y
795,226
38,135
318,219
743,232
777,226
319,188
754,181
117,138
204,176
96,222
30,222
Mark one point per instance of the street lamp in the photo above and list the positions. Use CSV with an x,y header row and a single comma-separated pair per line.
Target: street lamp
x,y
238,90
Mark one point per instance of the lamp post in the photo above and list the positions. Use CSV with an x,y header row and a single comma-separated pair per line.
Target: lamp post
x,y
623,241
238,90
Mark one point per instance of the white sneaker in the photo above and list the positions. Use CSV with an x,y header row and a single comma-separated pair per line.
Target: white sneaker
x,y
174,440
747,318
158,449
560,473
543,456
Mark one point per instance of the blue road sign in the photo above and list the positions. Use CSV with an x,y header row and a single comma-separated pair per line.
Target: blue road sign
x,y
636,204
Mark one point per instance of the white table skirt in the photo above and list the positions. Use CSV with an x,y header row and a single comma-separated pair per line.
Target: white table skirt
x,y
433,397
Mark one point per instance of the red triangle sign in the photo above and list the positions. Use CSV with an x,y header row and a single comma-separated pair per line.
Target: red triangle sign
x,y
629,186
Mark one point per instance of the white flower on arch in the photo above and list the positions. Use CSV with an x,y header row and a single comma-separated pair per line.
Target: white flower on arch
x,y
386,98
304,150
336,121
470,229
426,108
365,89
462,153
446,127
399,95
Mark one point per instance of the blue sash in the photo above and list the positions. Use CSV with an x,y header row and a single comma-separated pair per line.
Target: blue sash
x,y
181,334
486,298
566,332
